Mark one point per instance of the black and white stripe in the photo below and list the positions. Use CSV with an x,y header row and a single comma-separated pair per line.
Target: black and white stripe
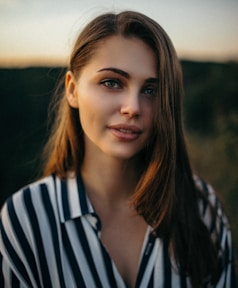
x,y
50,237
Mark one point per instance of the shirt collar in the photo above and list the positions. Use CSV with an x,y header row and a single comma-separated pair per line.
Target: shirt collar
x,y
72,199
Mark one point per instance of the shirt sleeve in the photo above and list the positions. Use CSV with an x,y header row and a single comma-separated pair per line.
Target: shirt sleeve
x,y
7,276
220,232
15,261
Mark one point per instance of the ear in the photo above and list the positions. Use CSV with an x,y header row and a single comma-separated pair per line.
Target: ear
x,y
71,89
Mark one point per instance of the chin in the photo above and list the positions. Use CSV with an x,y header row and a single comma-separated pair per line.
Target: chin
x,y
123,155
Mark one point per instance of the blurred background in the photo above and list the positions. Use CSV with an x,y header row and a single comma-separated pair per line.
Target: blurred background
x,y
36,38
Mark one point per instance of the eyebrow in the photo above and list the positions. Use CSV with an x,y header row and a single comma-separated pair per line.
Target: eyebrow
x,y
126,75
117,71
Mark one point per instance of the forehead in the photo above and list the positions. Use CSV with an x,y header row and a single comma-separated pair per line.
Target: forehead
x,y
130,54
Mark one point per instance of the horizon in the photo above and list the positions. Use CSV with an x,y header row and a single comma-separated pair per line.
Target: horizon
x,y
42,33
60,64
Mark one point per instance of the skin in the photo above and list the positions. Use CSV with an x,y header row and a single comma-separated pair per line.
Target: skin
x,y
115,97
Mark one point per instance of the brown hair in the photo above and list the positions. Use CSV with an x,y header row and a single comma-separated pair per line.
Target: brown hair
x,y
166,195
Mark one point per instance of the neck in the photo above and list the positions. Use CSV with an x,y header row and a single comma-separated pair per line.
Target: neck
x,y
111,180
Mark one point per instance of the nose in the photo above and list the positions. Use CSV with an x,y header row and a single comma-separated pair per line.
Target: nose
x,y
131,104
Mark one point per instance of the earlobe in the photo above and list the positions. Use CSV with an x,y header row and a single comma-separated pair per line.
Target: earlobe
x,y
71,89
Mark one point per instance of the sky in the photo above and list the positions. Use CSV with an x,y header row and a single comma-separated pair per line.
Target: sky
x,y
42,32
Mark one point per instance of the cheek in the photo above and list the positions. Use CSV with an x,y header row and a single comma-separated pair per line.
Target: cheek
x,y
149,111
91,111
87,115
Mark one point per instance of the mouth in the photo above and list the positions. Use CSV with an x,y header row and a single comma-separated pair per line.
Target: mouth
x,y
128,129
125,132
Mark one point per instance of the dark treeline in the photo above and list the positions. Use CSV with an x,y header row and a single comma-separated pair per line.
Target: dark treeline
x,y
210,116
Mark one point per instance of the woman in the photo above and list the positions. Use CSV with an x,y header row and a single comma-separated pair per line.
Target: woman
x,y
118,205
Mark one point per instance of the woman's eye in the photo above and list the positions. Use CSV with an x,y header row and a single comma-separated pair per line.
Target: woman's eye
x,y
111,84
149,91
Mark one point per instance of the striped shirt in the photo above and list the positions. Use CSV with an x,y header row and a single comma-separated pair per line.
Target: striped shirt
x,y
50,237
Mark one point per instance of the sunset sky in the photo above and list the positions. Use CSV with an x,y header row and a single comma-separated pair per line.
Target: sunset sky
x,y
42,32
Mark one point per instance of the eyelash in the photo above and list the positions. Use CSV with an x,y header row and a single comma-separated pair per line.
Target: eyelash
x,y
111,83
108,83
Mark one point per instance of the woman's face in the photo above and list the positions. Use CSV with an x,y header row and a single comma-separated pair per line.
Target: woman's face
x,y
115,95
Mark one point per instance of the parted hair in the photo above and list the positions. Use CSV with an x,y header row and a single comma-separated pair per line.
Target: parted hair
x,y
166,195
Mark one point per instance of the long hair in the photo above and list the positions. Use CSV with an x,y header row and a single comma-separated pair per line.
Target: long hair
x,y
166,195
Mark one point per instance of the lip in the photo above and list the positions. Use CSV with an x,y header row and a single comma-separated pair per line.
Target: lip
x,y
125,132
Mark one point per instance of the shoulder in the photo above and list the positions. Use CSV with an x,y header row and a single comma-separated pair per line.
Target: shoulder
x,y
48,201
30,194
28,225
212,214
208,200
27,208
214,218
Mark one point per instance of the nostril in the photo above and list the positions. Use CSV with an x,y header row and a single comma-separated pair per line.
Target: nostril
x,y
127,111
131,107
